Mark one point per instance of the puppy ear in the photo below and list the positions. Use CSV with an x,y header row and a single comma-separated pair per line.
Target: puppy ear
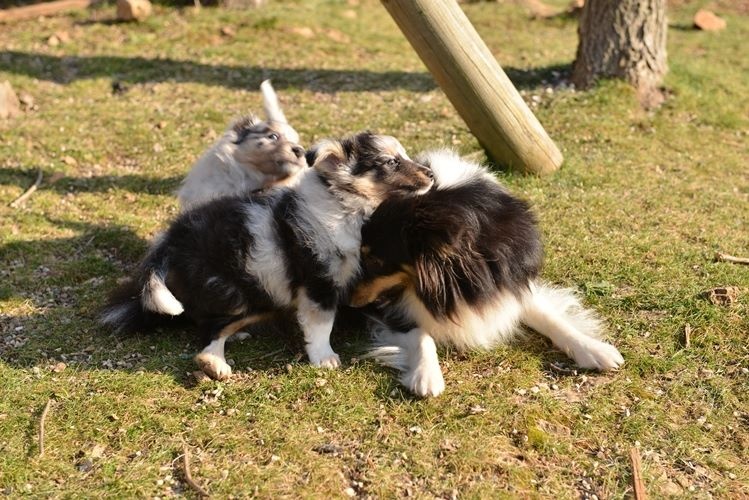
x,y
328,155
243,123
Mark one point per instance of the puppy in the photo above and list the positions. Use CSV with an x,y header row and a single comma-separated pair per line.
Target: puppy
x,y
251,155
460,265
237,260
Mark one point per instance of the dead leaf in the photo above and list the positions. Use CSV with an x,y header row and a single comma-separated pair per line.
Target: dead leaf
x,y
723,295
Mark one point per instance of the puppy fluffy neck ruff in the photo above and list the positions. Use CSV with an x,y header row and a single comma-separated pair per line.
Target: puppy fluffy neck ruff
x,y
333,214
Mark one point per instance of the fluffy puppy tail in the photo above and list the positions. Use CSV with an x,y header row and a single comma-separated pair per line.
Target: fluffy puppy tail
x,y
273,111
387,348
143,302
557,314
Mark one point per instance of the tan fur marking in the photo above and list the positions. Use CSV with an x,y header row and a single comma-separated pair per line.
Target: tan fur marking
x,y
234,327
366,293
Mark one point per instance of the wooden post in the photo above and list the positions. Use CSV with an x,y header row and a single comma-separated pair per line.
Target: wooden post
x,y
474,82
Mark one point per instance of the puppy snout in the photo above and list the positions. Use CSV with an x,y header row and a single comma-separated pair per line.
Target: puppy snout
x,y
298,151
428,172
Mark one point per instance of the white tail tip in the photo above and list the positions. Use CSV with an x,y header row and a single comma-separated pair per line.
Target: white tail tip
x,y
156,297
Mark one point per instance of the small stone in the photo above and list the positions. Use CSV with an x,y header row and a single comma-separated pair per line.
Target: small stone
x,y
706,20
26,100
133,10
10,106
86,465
350,492
338,36
59,367
97,451
303,31
69,160
228,31
320,382
415,429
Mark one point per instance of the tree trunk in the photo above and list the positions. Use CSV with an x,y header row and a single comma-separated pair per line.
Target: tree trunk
x,y
623,39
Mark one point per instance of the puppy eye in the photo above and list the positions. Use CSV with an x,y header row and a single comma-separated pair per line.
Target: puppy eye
x,y
273,137
393,162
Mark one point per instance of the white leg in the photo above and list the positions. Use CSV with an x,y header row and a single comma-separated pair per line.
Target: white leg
x,y
317,323
557,315
212,361
422,374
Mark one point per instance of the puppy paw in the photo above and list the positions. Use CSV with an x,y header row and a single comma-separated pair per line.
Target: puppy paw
x,y
424,381
213,366
597,355
323,358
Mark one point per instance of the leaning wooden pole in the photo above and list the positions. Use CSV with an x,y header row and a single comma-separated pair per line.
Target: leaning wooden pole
x,y
474,82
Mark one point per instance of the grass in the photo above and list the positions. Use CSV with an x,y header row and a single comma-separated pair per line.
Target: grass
x,y
633,219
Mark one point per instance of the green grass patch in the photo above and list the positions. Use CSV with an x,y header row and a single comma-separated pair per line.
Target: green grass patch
x,y
633,219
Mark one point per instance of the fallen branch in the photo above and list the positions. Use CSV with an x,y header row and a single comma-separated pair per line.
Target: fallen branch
x,y
724,257
637,483
43,9
188,476
42,419
21,199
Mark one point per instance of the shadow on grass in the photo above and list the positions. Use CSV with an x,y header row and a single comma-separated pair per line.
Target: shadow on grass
x,y
66,280
133,183
140,70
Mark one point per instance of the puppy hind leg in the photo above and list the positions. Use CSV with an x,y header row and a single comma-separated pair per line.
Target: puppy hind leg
x,y
558,315
317,323
211,359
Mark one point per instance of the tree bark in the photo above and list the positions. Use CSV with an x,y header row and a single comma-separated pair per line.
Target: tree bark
x,y
623,39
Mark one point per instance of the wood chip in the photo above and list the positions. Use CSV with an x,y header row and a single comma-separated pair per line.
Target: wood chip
x,y
706,20
637,483
687,334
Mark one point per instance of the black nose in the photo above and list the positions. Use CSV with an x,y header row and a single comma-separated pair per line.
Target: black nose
x,y
428,172
298,151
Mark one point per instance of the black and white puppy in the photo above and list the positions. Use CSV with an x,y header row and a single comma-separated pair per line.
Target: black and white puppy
x,y
250,155
237,260
460,265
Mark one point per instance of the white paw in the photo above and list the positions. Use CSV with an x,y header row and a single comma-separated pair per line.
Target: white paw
x,y
323,357
597,355
213,366
424,381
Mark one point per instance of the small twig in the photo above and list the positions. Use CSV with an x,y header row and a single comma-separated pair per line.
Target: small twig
x,y
188,476
561,369
687,333
19,201
42,419
268,355
724,257
639,486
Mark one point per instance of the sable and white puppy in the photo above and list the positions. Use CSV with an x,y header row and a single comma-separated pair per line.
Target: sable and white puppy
x,y
249,156
237,260
459,265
